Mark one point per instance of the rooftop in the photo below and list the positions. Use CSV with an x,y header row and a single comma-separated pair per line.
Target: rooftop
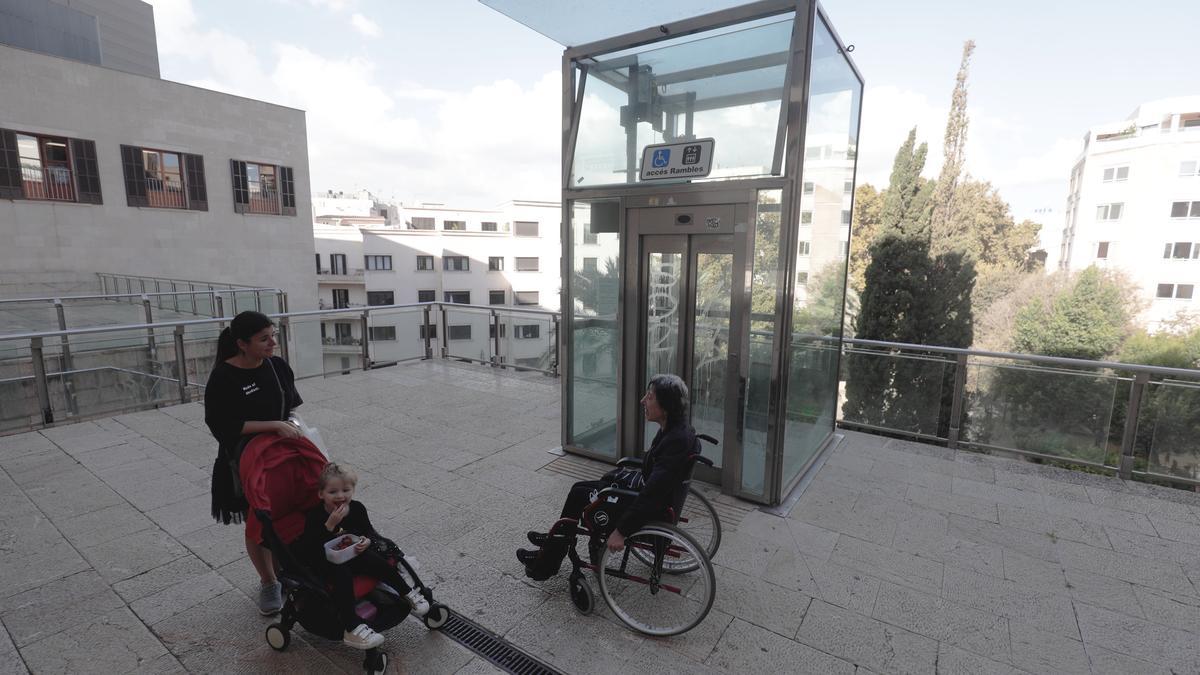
x,y
898,557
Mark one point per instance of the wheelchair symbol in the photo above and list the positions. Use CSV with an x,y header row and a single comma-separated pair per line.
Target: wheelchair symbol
x,y
662,157
601,518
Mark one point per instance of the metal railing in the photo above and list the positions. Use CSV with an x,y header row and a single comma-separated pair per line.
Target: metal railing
x,y
55,183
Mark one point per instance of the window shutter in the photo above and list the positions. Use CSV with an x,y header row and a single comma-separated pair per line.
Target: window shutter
x,y
135,176
193,166
241,186
10,166
87,171
287,190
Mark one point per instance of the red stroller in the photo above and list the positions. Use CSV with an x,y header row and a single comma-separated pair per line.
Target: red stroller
x,y
279,477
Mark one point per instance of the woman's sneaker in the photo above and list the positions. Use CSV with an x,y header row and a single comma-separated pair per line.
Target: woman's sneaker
x,y
270,598
420,606
362,637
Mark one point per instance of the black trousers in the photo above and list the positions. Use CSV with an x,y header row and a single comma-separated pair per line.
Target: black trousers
x,y
580,496
368,563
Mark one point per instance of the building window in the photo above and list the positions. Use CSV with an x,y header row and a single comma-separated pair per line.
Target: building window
x,y
262,188
1182,250
424,263
809,188
49,168
383,333
527,264
456,263
432,331
1102,250
803,248
495,264
589,237
1116,174
529,331
318,263
802,278
378,262
495,297
845,216
1185,209
1189,168
525,229
806,217
525,297
1176,291
337,263
487,226
492,330
1110,211
426,296
161,179
462,332
848,187
458,297
341,298
454,225
379,298
420,223
590,265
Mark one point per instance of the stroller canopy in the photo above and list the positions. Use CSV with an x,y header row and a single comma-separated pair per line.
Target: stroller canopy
x,y
280,475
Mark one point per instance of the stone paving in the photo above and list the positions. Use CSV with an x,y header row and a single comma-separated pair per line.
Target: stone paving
x,y
899,557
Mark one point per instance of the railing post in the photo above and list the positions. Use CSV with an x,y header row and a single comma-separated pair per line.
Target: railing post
x,y
956,407
158,299
283,338
427,326
175,297
232,300
554,366
494,347
153,348
39,380
66,360
258,301
192,295
444,339
219,308
283,302
1129,437
366,344
181,365
129,289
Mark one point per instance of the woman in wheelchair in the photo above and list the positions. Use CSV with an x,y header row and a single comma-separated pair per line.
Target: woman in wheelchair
x,y
660,481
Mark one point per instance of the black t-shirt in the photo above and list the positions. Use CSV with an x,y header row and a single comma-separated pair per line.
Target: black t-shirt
x,y
234,396
310,547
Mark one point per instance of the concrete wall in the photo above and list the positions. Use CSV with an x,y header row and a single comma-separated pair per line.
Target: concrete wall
x,y
127,36
46,240
114,33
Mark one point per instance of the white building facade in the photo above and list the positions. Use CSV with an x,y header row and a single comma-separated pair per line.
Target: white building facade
x,y
502,259
1134,205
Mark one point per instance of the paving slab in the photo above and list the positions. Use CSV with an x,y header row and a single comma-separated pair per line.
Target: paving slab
x,y
865,641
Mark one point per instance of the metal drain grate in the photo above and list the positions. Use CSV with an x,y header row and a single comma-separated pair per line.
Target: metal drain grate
x,y
498,651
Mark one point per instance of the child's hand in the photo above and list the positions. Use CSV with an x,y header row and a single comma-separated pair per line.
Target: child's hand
x,y
362,545
336,517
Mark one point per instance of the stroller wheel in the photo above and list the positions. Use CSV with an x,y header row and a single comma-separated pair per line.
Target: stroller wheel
x,y
376,663
581,594
437,616
278,637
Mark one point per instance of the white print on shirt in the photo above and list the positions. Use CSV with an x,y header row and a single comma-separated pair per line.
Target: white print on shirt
x,y
251,388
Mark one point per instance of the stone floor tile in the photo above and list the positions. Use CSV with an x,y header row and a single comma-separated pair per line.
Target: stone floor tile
x,y
927,614
888,564
1054,526
1138,503
22,570
835,584
1033,544
1039,651
1034,573
846,522
217,544
27,443
993,492
748,555
1098,514
133,554
759,602
901,474
1153,547
746,648
159,578
1105,662
572,643
865,641
953,503
1102,591
57,606
103,525
1162,574
1176,530
811,540
1169,610
955,661
1049,611
1139,639
179,597
478,666
953,551
115,642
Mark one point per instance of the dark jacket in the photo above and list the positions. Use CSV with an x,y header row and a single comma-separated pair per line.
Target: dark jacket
x,y
666,467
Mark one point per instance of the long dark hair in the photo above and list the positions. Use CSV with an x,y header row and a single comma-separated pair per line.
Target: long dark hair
x,y
243,327
672,396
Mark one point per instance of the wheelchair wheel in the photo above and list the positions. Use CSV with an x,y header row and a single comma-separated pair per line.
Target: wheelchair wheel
x,y
635,589
699,519
581,594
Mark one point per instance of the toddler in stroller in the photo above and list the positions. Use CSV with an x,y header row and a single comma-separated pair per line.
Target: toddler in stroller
x,y
294,495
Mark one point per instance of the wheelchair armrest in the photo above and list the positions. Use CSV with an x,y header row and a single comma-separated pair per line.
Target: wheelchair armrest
x,y
704,460
630,461
617,492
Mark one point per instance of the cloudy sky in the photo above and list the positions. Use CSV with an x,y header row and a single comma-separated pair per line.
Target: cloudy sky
x,y
452,102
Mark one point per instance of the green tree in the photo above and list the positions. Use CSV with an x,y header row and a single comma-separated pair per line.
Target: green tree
x,y
867,222
906,202
944,200
983,230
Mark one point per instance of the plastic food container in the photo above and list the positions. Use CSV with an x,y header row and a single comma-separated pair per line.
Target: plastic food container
x,y
338,556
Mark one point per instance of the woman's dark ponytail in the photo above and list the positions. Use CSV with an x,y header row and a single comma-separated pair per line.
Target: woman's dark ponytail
x,y
243,327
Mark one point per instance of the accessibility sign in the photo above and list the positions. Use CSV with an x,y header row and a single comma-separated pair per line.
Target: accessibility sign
x,y
692,159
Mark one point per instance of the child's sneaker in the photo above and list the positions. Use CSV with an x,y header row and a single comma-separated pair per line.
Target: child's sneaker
x,y
362,637
420,606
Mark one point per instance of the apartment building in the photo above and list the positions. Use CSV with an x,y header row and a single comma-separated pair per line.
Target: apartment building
x,y
1134,205
502,258
105,167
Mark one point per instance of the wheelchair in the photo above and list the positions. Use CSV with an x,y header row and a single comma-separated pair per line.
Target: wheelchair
x,y
662,582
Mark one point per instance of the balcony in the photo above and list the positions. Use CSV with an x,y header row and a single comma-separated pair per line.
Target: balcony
x,y
53,183
342,344
349,277
898,557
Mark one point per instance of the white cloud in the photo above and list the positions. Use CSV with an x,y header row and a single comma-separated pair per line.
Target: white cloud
x,y
365,26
